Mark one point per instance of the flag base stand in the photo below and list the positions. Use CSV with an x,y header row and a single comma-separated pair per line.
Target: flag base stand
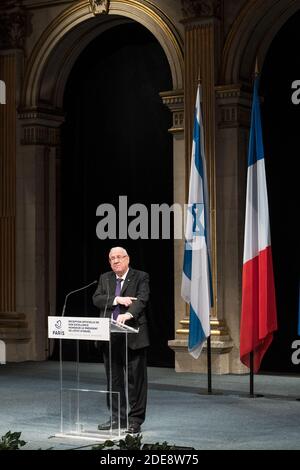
x,y
251,377
233,393
211,392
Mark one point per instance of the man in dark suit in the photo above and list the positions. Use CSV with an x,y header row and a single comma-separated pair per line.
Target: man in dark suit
x,y
123,294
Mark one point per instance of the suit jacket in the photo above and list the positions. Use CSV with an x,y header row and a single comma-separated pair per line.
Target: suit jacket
x,y
136,284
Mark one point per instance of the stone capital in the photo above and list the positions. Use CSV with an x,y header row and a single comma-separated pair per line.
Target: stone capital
x,y
175,102
40,127
234,104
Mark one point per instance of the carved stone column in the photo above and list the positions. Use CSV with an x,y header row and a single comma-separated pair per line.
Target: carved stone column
x,y
202,30
202,22
36,215
174,101
233,116
13,323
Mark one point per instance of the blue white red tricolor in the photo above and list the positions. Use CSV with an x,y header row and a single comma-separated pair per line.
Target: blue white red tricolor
x,y
258,317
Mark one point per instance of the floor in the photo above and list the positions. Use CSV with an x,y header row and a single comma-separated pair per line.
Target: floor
x,y
179,409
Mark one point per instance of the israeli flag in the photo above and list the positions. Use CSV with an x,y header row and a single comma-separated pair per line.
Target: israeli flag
x,y
196,287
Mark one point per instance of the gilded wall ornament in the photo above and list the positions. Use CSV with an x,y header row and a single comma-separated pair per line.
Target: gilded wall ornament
x,y
200,8
100,7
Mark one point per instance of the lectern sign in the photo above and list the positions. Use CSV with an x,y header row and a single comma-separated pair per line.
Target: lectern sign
x,y
89,328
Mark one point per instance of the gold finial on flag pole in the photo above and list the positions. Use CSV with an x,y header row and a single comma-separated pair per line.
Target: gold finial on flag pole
x,y
199,84
199,77
256,69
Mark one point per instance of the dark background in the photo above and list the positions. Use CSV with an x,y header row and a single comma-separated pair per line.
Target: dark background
x,y
281,124
116,142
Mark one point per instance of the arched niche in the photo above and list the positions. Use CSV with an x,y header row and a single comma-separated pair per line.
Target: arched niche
x,y
66,37
251,35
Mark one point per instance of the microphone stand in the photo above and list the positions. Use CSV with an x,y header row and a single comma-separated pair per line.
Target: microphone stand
x,y
61,361
73,292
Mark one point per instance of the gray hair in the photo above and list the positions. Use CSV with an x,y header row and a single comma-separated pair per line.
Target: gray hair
x,y
118,248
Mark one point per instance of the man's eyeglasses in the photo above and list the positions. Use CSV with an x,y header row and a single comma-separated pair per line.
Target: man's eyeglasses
x,y
117,258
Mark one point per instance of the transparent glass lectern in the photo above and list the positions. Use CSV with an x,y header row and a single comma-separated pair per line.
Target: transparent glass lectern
x,y
85,401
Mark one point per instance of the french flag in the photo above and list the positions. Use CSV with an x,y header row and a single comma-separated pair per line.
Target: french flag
x,y
259,317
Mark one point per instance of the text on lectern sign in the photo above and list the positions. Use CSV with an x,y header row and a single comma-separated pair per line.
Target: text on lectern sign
x,y
89,328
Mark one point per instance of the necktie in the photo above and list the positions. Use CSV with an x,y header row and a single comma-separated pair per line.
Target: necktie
x,y
116,310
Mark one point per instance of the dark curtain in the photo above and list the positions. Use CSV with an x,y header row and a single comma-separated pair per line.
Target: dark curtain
x,y
115,142
281,121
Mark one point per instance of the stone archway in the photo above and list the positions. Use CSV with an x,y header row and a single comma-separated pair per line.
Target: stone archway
x,y
251,35
64,39
249,38
40,117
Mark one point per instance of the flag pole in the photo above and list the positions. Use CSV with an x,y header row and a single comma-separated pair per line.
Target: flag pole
x,y
251,392
252,351
208,341
251,376
251,355
209,387
256,69
196,288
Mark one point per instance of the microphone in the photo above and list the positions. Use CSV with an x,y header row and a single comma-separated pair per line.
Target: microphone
x,y
107,298
72,292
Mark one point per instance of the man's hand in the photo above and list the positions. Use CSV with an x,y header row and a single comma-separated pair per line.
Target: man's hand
x,y
125,300
123,317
